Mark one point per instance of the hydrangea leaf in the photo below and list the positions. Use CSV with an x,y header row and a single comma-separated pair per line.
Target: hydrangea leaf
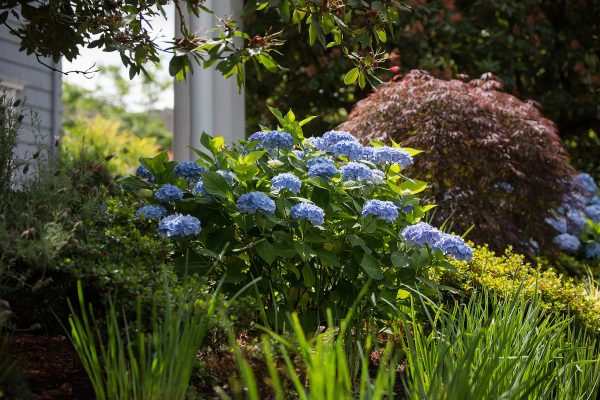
x,y
370,265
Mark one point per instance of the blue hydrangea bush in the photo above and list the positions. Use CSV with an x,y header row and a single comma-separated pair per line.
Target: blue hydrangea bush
x,y
577,220
310,222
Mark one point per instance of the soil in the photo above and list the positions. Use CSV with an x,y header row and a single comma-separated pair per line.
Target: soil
x,y
51,367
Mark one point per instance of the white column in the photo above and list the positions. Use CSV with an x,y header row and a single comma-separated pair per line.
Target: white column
x,y
206,102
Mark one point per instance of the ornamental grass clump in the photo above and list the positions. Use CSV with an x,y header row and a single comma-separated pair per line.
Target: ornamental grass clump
x,y
306,222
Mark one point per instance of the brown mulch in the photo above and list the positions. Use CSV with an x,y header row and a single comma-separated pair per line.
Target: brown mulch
x,y
51,367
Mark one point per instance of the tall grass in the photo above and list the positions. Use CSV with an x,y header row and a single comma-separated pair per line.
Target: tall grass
x,y
127,361
321,367
492,348
488,348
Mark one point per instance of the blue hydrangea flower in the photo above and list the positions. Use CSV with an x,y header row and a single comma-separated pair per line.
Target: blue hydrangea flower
x,y
142,172
385,210
255,201
257,136
567,242
594,200
227,175
378,177
321,166
558,223
421,234
573,200
309,212
286,181
332,137
199,188
577,218
178,225
593,212
390,155
273,140
168,193
317,143
319,160
350,149
151,212
299,153
586,182
189,170
356,172
455,247
592,250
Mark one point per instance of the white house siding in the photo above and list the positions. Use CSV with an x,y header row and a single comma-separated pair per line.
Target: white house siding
x,y
41,90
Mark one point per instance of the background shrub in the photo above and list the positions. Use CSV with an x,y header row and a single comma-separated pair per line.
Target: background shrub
x,y
493,161
97,137
542,49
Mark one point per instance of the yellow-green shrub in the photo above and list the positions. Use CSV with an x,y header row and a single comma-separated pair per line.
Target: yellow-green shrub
x,y
509,273
99,137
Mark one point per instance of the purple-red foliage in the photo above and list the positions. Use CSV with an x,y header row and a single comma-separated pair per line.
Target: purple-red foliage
x,y
492,160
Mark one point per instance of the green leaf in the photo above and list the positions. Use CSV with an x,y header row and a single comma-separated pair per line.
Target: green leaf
x,y
400,260
268,62
370,265
308,275
414,186
304,251
381,35
351,76
216,185
362,80
266,251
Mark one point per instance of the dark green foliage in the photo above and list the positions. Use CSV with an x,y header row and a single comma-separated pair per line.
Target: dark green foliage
x,y
66,225
11,117
542,49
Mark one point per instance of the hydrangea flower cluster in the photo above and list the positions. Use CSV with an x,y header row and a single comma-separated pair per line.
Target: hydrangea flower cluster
x,y
422,234
385,210
388,155
142,172
350,149
567,242
199,189
273,140
168,193
189,170
344,144
178,225
572,220
253,202
309,212
354,171
151,212
329,139
286,181
322,167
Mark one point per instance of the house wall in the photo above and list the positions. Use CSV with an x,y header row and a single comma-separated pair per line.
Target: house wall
x,y
41,90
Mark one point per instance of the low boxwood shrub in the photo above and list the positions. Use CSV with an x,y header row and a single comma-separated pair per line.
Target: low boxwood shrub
x,y
509,273
493,161
308,223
